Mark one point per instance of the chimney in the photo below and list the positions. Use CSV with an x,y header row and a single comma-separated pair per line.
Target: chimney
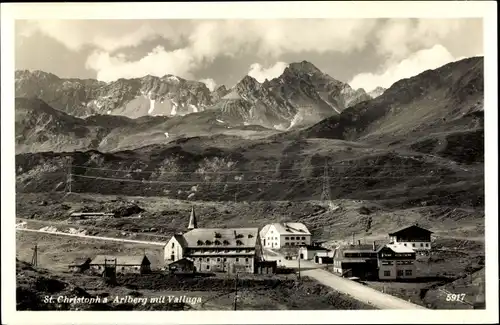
x,y
374,246
192,220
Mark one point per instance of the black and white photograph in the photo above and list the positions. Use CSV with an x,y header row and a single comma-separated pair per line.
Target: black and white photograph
x,y
223,164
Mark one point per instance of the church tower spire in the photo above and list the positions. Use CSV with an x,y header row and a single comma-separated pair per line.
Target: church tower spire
x,y
192,220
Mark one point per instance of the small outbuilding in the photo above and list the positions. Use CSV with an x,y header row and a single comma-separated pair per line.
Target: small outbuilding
x,y
123,264
307,252
266,267
184,265
80,264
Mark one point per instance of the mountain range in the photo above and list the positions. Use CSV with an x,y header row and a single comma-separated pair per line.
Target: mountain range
x,y
302,94
421,142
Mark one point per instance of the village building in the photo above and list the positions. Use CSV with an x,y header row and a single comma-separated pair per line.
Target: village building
x,y
356,261
279,235
216,249
414,237
266,267
123,264
80,264
184,265
396,262
324,257
308,252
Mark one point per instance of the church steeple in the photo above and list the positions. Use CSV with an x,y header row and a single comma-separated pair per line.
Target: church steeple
x,y
192,220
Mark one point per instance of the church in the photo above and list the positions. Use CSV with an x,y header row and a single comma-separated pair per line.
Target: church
x,y
227,250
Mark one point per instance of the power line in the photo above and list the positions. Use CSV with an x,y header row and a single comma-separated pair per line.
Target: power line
x,y
285,180
395,167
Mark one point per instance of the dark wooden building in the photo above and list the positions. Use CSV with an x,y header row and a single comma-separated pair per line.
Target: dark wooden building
x,y
414,237
266,267
80,264
396,262
184,265
356,261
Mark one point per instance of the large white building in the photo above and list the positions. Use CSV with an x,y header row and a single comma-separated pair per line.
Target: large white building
x,y
215,249
278,235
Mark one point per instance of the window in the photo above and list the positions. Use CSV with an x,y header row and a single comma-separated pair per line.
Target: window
x,y
218,259
387,273
246,259
287,238
123,268
426,245
200,259
286,244
303,243
173,244
408,272
225,259
293,244
199,242
400,272
421,245
303,238
405,244
208,259
413,245
172,257
208,267
237,259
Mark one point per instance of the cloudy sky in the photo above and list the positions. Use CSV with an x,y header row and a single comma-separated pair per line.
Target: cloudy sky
x,y
363,52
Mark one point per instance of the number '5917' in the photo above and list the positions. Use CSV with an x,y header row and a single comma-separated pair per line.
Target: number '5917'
x,y
455,297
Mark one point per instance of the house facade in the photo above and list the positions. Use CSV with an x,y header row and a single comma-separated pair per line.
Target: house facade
x,y
216,249
396,262
308,252
356,261
279,235
414,237
123,264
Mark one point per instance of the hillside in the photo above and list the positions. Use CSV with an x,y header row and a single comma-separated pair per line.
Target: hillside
x,y
450,98
41,128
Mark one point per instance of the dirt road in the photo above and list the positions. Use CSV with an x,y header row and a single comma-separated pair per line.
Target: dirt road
x,y
354,289
95,237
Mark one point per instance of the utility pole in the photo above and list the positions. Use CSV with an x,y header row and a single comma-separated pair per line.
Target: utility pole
x,y
298,257
235,290
34,259
326,193
69,176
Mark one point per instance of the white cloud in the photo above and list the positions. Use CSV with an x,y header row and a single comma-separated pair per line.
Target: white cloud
x,y
211,84
416,63
260,73
158,62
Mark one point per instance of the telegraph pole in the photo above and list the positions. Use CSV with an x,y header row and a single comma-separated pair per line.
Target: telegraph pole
x,y
34,259
236,291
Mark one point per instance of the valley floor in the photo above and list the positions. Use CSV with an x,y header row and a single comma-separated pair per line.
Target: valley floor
x,y
455,258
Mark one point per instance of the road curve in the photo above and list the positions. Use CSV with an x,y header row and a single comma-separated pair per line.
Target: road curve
x,y
95,237
359,291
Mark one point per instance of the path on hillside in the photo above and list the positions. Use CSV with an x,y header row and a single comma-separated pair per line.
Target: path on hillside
x,y
356,290
95,237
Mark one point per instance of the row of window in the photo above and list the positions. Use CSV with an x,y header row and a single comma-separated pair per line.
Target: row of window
x,y
295,238
237,259
397,263
399,273
208,267
421,245
293,244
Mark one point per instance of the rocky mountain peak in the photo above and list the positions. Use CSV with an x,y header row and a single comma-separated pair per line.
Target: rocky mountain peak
x,y
304,67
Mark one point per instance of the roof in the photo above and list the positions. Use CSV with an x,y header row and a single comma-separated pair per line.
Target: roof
x,y
314,248
120,260
351,260
80,261
400,249
181,261
219,237
395,232
288,228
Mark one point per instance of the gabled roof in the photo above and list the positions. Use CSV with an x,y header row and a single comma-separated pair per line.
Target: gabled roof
x,y
219,238
79,261
120,260
395,232
399,248
287,228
